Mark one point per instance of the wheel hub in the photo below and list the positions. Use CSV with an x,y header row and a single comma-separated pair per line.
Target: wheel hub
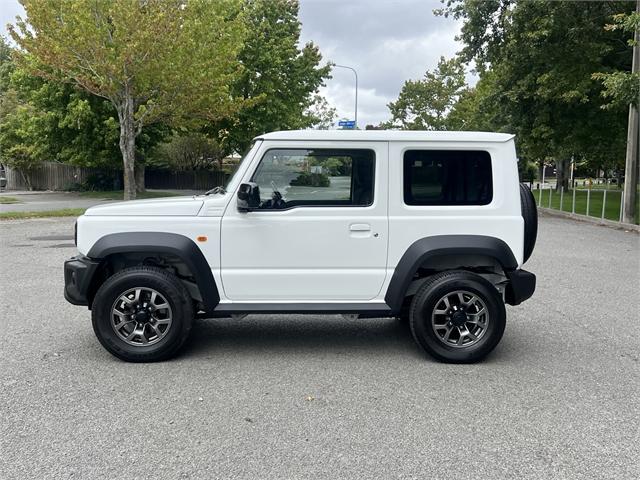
x,y
459,318
142,316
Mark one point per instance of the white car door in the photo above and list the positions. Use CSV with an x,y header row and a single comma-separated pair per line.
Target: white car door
x,y
324,240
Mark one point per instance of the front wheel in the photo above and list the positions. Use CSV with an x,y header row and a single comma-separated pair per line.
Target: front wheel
x,y
142,314
457,317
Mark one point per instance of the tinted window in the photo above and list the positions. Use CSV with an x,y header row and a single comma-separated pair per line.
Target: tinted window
x,y
319,177
445,177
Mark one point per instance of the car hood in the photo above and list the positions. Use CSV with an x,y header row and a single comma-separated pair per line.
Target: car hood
x,y
184,206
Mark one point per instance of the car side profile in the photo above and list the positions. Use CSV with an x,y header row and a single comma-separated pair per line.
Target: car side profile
x,y
430,227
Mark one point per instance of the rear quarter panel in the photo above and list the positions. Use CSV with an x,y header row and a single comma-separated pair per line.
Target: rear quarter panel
x,y
501,218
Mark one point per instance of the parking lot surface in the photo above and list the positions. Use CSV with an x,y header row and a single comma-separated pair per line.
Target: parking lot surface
x,y
322,397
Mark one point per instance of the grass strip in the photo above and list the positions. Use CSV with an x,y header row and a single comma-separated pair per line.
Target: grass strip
x,y
63,212
612,207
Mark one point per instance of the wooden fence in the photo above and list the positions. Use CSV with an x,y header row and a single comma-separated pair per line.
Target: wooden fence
x,y
59,176
51,176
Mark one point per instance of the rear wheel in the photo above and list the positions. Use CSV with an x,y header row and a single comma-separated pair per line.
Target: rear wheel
x,y
457,317
142,314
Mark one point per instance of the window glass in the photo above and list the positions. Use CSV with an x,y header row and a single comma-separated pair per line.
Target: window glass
x,y
319,177
446,177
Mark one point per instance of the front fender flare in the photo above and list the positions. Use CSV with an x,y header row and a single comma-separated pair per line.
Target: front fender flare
x,y
429,247
167,243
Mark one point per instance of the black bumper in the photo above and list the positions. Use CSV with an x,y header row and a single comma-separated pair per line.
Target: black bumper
x,y
78,273
521,286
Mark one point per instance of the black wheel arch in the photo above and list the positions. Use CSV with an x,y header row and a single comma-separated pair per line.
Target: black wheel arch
x,y
428,248
162,243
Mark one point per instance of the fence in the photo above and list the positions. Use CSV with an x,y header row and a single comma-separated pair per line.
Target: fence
x,y
190,180
51,176
59,176
604,204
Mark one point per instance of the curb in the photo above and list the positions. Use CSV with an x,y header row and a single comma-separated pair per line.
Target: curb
x,y
592,220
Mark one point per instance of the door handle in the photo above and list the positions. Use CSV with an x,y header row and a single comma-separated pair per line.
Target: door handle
x,y
360,227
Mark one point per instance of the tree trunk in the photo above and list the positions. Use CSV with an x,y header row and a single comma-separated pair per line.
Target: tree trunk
x,y
128,145
140,187
562,174
540,169
27,179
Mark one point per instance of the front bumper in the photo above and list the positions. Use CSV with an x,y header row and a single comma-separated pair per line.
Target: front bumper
x,y
78,273
521,286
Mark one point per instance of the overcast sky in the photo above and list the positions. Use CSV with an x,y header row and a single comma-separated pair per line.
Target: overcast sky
x,y
386,41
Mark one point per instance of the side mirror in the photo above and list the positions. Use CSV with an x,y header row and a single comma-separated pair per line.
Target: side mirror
x,y
248,197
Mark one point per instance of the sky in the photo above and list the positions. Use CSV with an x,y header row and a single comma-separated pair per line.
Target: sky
x,y
385,41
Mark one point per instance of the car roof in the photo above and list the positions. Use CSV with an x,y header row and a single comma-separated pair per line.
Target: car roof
x,y
387,136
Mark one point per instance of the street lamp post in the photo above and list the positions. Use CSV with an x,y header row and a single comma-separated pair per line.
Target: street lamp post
x,y
356,74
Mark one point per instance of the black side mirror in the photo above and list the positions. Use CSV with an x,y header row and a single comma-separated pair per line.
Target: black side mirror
x,y
248,197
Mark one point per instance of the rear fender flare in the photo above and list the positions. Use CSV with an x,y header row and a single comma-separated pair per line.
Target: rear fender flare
x,y
429,247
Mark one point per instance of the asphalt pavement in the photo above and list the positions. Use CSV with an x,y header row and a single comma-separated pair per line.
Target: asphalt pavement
x,y
322,397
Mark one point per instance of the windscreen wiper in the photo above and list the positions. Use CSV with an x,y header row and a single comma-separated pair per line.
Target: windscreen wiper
x,y
217,189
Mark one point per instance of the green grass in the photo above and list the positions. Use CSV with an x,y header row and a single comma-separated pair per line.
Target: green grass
x,y
63,212
119,194
612,208
6,200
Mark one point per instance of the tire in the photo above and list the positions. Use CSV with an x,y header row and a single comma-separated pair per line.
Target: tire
x,y
423,316
165,329
530,216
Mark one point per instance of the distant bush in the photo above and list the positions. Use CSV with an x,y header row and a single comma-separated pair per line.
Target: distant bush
x,y
306,179
96,182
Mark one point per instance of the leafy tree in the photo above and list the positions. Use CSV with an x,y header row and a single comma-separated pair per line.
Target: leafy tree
x,y
622,87
155,61
541,56
20,129
19,123
73,126
425,104
280,80
322,115
194,151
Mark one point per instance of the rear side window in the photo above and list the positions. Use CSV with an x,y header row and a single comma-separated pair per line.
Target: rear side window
x,y
447,177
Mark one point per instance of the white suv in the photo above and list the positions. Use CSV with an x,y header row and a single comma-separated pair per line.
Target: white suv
x,y
431,227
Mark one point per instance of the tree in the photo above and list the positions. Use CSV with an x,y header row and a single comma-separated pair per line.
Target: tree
x,y
19,134
73,126
155,61
194,151
279,81
19,123
542,56
622,87
425,104
322,115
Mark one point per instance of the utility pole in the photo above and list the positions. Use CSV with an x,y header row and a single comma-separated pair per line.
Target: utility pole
x,y
356,107
633,139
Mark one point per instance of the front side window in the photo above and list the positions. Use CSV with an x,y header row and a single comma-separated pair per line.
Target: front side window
x,y
315,177
447,177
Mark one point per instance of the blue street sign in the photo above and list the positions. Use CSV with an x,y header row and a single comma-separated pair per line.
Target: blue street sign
x,y
347,123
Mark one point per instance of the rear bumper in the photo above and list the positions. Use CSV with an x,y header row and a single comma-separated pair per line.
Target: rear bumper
x,y
78,273
521,286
